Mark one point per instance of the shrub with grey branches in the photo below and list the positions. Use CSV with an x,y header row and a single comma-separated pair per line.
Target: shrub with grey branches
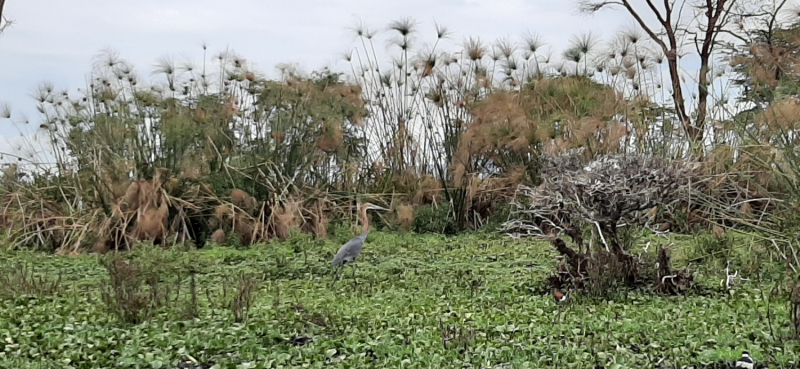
x,y
607,193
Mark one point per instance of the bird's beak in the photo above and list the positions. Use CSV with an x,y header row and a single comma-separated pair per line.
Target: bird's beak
x,y
376,207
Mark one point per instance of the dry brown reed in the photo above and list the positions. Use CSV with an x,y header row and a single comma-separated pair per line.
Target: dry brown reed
x,y
218,237
405,216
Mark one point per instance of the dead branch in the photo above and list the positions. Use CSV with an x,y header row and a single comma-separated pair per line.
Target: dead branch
x,y
609,192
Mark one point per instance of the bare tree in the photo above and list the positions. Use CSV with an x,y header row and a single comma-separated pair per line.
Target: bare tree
x,y
670,29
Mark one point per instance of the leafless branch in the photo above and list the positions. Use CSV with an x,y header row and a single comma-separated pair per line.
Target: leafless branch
x,y
668,31
608,192
3,21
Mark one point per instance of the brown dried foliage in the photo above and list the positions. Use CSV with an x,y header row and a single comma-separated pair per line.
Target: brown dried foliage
x,y
783,114
315,220
243,200
428,191
142,213
767,63
733,192
218,237
284,218
246,227
405,216
550,115
331,137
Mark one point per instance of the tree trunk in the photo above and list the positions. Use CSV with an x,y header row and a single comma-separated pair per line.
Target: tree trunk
x,y
715,13
692,132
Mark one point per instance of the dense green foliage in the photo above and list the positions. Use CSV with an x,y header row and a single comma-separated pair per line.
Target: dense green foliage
x,y
416,301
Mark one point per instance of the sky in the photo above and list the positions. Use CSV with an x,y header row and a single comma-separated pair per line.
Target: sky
x,y
55,41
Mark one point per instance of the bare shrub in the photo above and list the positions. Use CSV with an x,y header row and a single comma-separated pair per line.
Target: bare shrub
x,y
607,193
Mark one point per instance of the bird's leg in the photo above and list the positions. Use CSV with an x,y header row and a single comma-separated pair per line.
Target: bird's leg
x,y
355,281
336,274
558,314
555,317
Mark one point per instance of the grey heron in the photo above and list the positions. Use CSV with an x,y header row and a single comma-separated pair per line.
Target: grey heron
x,y
352,249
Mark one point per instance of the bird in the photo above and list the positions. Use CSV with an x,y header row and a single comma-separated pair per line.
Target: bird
x,y
352,249
746,361
560,297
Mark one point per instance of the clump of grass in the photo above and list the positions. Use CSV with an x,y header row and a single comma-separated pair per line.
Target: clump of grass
x,y
711,247
191,309
434,219
143,281
456,337
19,279
242,288
125,294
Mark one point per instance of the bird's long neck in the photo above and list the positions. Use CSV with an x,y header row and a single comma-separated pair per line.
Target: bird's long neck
x,y
364,220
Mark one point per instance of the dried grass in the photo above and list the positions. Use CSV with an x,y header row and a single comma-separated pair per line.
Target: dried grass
x,y
405,216
243,200
223,213
331,137
245,227
784,114
428,191
218,237
315,220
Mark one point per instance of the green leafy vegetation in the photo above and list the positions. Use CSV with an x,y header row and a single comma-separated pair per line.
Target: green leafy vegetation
x,y
417,301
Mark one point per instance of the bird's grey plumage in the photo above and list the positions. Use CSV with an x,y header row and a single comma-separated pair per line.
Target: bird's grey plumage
x,y
350,250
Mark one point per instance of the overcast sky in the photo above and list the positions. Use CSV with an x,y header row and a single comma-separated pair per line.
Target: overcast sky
x,y
56,40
